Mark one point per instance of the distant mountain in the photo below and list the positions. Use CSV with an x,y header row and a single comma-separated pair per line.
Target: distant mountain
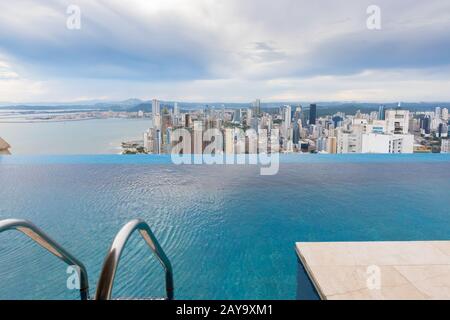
x,y
49,107
91,105
121,105
144,106
134,105
352,108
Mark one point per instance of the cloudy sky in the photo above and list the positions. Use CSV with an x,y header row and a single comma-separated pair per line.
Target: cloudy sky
x,y
225,50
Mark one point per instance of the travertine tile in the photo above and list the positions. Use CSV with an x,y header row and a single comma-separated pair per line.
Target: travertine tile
x,y
431,280
442,246
408,270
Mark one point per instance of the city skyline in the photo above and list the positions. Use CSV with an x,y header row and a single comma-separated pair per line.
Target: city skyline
x,y
231,52
292,129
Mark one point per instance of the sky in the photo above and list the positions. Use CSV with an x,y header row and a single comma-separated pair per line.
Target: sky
x,y
224,50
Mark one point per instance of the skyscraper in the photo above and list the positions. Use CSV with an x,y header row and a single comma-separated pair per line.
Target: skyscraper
x,y
425,125
397,121
249,117
444,114
440,130
287,116
176,110
337,121
381,113
332,145
156,108
237,116
437,112
312,114
257,107
296,133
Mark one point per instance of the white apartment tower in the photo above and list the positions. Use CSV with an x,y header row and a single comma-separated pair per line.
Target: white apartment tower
x,y
445,114
156,107
397,121
437,113
287,119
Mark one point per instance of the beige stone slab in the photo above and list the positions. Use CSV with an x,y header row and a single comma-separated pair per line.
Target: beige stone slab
x,y
434,281
405,270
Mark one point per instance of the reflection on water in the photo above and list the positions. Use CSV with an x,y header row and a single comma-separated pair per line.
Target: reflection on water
x,y
228,231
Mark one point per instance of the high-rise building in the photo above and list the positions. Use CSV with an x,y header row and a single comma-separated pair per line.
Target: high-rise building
x,y
229,141
297,113
176,109
159,136
287,120
156,107
157,121
332,145
437,113
321,145
381,113
257,107
445,114
249,117
442,131
312,114
151,142
403,143
397,121
187,120
337,121
237,116
198,137
425,125
387,143
348,142
166,122
296,133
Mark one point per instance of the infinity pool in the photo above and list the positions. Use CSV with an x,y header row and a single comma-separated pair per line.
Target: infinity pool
x,y
228,231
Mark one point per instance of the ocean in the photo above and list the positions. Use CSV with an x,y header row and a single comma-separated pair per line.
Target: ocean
x,y
96,136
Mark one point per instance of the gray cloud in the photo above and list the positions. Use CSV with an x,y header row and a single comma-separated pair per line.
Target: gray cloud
x,y
172,42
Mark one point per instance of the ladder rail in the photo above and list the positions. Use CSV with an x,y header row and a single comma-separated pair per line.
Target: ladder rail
x,y
110,265
41,238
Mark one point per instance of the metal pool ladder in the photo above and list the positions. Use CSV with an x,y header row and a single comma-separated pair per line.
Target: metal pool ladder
x,y
41,238
106,281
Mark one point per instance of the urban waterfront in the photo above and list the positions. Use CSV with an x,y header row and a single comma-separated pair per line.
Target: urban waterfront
x,y
228,231
255,129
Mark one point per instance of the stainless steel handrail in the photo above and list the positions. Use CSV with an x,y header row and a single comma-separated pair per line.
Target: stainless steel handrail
x,y
38,236
106,281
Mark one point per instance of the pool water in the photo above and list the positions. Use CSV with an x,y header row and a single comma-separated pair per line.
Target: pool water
x,y
228,231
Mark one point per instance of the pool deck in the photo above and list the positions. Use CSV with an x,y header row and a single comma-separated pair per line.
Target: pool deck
x,y
378,270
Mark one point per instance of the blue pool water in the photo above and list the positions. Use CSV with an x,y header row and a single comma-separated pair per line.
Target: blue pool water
x,y
228,231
